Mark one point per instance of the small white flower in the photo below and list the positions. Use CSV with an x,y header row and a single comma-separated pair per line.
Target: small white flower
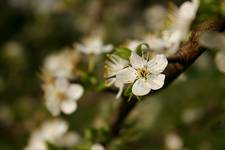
x,y
215,40
93,45
61,64
133,44
62,96
173,141
97,147
181,24
220,61
145,74
53,132
113,65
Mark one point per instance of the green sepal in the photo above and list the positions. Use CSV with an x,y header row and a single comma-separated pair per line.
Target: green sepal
x,y
128,90
139,98
140,48
130,97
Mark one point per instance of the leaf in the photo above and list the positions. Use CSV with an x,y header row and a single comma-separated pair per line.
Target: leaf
x,y
123,53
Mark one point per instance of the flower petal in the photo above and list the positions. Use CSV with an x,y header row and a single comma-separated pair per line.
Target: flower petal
x,y
107,48
141,87
61,84
156,81
53,106
127,75
137,61
157,64
75,91
120,86
68,106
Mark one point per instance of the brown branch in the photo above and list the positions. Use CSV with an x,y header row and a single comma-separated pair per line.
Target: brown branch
x,y
187,55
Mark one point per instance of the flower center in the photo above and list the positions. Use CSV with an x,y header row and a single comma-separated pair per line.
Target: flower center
x,y
143,72
62,96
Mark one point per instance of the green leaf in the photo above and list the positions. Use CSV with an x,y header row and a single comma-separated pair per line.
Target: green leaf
x,y
123,52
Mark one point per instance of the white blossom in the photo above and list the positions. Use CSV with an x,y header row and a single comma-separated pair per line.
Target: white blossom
x,y
185,15
170,38
215,40
93,45
97,147
173,141
145,74
113,65
52,132
61,64
133,44
220,61
62,96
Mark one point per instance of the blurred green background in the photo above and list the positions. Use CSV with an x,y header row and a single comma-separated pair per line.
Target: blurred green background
x,y
192,108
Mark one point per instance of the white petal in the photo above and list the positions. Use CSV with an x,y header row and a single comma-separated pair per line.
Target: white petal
x,y
68,106
107,48
53,107
141,87
137,61
127,75
120,86
156,81
220,61
75,91
157,64
61,84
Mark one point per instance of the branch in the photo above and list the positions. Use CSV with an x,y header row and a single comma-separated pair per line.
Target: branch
x,y
179,62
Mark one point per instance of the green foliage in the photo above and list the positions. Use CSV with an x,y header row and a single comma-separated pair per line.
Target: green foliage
x,y
123,53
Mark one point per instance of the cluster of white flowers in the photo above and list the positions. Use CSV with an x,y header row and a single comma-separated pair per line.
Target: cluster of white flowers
x,y
215,40
52,132
60,94
168,39
145,73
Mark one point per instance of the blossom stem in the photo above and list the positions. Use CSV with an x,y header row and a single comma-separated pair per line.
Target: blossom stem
x,y
186,55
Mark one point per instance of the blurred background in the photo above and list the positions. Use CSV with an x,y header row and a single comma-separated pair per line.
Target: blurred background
x,y
190,113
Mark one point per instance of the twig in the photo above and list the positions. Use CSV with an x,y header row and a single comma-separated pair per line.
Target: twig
x,y
187,55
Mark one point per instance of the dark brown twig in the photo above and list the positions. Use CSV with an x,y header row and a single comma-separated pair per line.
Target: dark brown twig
x,y
187,55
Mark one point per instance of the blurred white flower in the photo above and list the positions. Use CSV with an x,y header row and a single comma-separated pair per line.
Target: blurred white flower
x,y
97,147
62,96
181,24
155,16
191,115
145,73
133,44
220,61
61,64
173,141
113,65
168,40
93,44
52,132
215,40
